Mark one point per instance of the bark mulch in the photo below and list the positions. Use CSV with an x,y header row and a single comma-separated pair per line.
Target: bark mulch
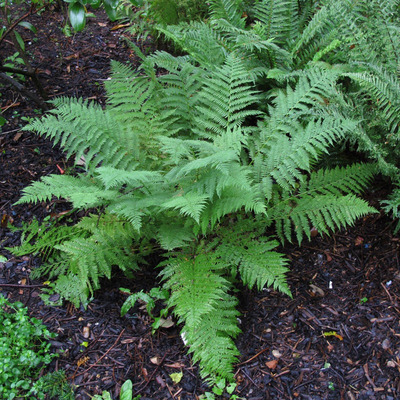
x,y
337,338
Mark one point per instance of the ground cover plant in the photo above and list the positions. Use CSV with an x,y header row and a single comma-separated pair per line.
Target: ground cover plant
x,y
24,351
195,164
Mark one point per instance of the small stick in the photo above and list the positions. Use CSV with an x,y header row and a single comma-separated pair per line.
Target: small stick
x,y
20,286
151,377
252,358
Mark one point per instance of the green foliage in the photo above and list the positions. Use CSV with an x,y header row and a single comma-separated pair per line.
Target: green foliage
x,y
168,12
198,162
149,13
219,388
23,352
55,385
392,206
77,11
126,393
150,300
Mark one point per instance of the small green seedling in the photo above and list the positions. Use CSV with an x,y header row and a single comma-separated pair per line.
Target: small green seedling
x,y
126,393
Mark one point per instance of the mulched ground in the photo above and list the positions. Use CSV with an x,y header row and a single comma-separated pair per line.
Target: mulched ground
x,y
338,338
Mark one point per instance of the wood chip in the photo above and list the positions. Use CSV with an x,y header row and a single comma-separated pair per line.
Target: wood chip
x,y
272,364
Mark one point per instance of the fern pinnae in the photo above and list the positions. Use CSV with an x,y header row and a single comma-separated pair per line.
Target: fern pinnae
x,y
280,17
199,295
195,289
226,99
320,202
383,87
228,10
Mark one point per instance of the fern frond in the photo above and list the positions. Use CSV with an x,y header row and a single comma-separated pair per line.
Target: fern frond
x,y
173,235
201,300
113,177
258,53
190,204
281,19
81,191
99,244
227,98
384,89
195,287
180,96
72,288
211,342
56,385
352,179
75,123
168,61
319,203
200,41
41,238
229,10
231,200
392,206
250,253
311,90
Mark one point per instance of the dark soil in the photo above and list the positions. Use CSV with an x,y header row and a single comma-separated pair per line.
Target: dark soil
x,y
338,338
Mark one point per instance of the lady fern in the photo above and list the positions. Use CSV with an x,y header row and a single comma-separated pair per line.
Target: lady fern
x,y
197,162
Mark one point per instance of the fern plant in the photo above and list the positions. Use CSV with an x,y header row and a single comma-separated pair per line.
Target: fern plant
x,y
198,164
282,40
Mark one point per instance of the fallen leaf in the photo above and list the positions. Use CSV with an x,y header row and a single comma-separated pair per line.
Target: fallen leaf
x,y
359,240
386,344
332,333
17,136
5,220
272,364
119,26
328,256
316,291
166,323
176,377
72,56
86,332
128,341
155,360
81,161
102,24
82,361
145,374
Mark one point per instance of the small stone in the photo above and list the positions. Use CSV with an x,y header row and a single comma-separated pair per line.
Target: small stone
x,y
276,353
391,364
386,344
